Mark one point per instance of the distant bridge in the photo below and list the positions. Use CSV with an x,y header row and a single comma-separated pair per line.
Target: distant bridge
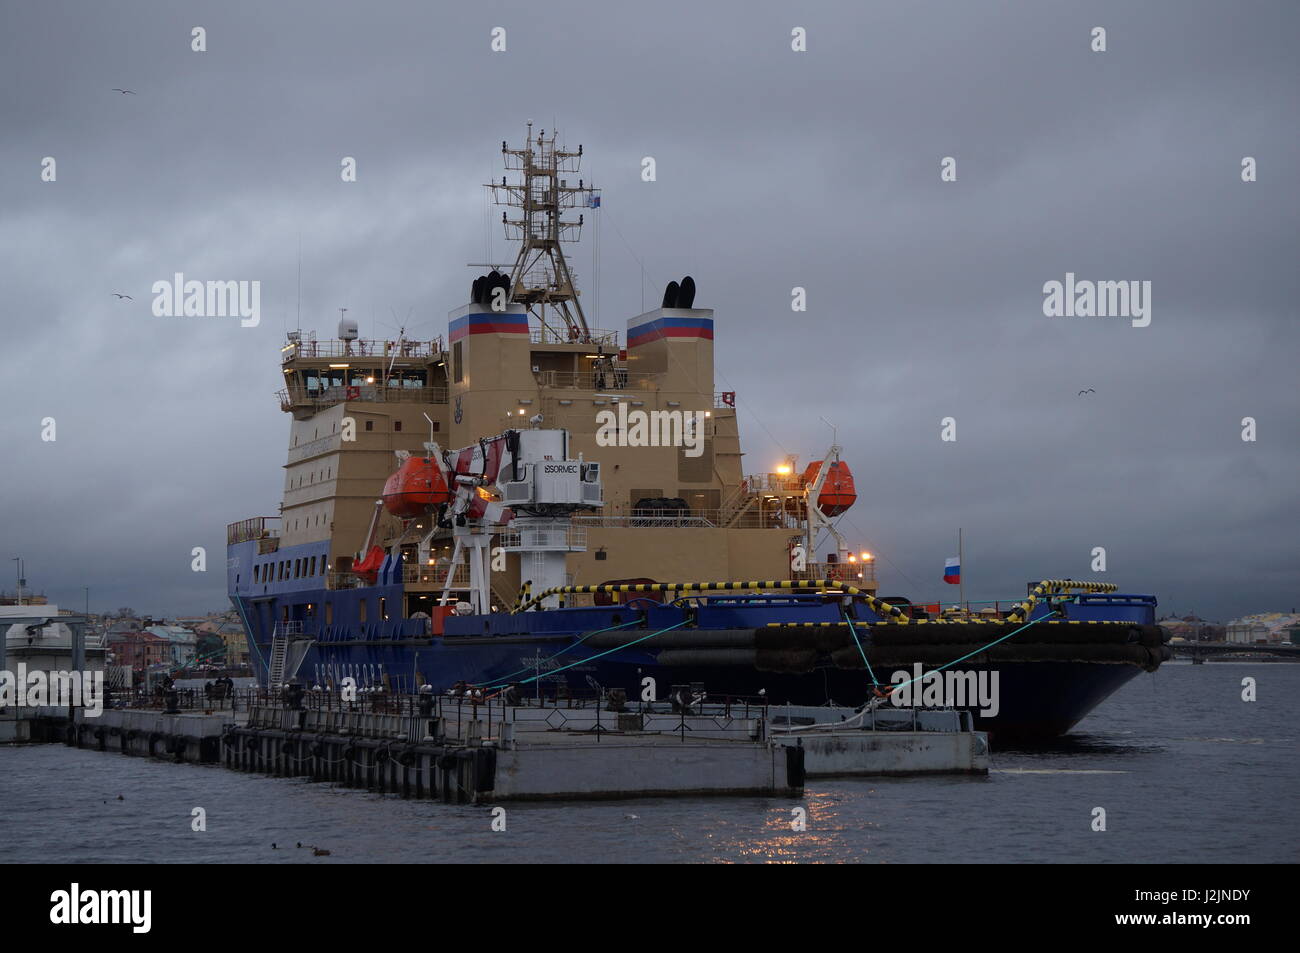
x,y
1242,649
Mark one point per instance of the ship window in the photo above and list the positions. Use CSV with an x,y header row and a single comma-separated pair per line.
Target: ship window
x,y
311,564
329,613
383,608
457,362
370,425
361,611
397,426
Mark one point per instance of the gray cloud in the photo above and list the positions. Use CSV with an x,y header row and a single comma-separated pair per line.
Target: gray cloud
x,y
775,170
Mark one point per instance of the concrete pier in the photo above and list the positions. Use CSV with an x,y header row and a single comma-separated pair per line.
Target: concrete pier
x,y
519,754
190,737
468,751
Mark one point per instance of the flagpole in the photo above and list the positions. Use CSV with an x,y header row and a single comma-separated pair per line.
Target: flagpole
x,y
961,573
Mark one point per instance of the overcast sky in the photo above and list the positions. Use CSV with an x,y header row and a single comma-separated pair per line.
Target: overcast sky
x,y
776,169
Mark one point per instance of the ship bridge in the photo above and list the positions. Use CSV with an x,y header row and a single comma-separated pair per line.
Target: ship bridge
x,y
320,374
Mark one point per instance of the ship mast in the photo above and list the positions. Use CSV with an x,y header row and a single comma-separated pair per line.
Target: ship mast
x,y
542,279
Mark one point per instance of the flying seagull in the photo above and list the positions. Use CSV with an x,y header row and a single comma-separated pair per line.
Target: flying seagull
x,y
124,92
1088,391
119,296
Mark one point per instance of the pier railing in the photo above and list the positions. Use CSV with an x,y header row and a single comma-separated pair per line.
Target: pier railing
x,y
481,714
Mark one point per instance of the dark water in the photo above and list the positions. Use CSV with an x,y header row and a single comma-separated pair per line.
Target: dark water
x,y
1185,769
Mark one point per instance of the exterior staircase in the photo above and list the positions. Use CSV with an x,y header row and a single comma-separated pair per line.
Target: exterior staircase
x,y
284,631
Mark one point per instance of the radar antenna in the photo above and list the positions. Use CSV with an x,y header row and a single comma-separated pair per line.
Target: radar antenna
x,y
541,276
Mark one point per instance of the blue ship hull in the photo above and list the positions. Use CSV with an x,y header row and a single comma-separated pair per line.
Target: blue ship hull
x,y
579,650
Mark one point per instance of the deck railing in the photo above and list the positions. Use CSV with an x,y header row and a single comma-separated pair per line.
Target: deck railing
x,y
692,518
299,396
570,539
365,348
256,527
424,574
550,335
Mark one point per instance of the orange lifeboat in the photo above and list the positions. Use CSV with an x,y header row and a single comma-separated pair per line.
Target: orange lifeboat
x,y
838,492
417,485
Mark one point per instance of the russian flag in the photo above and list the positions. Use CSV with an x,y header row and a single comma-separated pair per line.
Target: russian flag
x,y
952,570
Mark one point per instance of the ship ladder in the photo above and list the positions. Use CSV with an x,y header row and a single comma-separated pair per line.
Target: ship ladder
x,y
279,652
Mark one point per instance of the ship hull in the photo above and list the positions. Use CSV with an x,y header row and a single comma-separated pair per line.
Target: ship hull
x,y
783,648
1037,700
1034,698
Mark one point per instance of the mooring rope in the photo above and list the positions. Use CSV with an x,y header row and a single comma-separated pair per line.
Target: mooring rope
x,y
853,630
849,722
617,648
497,683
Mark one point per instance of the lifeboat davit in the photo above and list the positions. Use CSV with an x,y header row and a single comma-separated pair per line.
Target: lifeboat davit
x,y
417,485
838,492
